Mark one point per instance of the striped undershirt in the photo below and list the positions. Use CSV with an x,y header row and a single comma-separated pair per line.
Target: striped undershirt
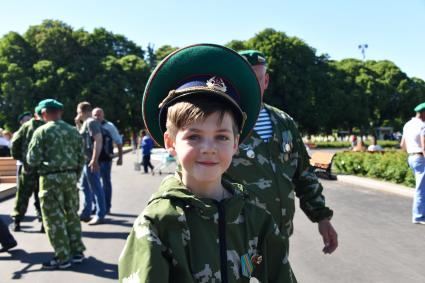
x,y
263,127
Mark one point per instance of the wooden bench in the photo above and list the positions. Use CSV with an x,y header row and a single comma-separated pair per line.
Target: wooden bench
x,y
7,177
322,163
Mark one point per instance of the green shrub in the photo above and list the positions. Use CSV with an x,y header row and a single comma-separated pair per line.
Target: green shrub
x,y
339,144
389,166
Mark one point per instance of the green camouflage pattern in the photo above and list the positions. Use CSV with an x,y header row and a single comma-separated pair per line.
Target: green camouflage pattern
x,y
176,239
27,177
22,138
27,184
59,205
277,170
56,147
56,150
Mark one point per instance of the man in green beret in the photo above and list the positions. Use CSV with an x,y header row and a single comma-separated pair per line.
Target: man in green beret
x,y
24,117
56,150
413,141
273,163
27,176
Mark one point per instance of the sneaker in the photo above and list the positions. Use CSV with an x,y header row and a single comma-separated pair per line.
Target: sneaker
x,y
16,226
95,220
419,222
78,258
55,263
7,247
85,219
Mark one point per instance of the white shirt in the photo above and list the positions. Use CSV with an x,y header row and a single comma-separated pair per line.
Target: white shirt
x,y
373,147
412,132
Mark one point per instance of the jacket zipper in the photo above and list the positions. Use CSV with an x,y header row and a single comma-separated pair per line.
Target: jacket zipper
x,y
222,241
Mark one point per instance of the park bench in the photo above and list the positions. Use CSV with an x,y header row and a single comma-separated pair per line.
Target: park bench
x,y
7,177
322,163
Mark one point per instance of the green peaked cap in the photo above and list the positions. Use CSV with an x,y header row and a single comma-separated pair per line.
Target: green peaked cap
x,y
420,107
201,69
49,103
26,113
254,57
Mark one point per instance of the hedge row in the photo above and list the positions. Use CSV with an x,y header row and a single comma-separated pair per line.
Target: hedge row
x,y
339,144
389,166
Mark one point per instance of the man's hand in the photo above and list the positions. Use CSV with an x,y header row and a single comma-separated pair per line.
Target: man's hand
x,y
329,235
119,161
94,166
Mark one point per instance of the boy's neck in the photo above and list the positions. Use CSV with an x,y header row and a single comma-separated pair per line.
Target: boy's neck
x,y
212,190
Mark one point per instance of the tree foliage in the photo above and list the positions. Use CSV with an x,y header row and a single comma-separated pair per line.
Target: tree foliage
x,y
53,60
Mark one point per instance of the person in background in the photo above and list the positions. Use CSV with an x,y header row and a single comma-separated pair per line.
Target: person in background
x,y
146,144
359,147
413,141
273,164
374,146
91,132
105,161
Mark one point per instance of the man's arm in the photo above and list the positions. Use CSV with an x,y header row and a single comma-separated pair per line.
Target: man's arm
x,y
97,148
16,148
113,131
403,144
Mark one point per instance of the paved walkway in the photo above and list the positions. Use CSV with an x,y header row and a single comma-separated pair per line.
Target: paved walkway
x,y
377,241
131,190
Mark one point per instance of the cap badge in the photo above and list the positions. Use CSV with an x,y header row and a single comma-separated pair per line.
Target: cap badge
x,y
217,83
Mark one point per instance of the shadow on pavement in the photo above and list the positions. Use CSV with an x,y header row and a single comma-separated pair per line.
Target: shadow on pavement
x,y
122,215
105,235
112,221
32,263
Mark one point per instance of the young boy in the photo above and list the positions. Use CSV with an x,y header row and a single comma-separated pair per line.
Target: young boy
x,y
199,228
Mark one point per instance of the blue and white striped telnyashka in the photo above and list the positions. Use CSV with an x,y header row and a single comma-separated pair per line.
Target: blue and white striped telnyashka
x,y
263,126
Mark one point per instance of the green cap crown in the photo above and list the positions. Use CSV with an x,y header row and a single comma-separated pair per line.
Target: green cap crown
x,y
38,110
49,103
420,107
26,113
254,57
201,69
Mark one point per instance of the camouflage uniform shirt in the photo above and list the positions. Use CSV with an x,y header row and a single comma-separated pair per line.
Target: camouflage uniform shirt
x,y
22,138
277,170
56,147
182,238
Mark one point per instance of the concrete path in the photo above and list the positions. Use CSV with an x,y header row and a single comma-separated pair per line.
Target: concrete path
x,y
377,241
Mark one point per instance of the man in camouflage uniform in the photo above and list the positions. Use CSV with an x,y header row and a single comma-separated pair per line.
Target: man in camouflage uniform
x,y
277,168
56,150
27,176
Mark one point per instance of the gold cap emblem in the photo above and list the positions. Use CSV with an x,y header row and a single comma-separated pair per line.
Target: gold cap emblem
x,y
217,83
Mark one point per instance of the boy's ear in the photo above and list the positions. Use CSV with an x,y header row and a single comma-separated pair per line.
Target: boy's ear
x,y
169,144
236,144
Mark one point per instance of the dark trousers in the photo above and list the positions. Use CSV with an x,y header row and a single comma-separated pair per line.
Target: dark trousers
x,y
146,161
5,237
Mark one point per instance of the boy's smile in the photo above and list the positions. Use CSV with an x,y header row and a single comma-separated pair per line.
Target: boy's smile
x,y
205,150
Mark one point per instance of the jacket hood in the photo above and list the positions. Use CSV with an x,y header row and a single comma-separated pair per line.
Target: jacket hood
x,y
173,189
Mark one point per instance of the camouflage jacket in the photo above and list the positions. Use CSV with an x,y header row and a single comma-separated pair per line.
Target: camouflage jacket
x,y
22,138
56,147
182,238
276,170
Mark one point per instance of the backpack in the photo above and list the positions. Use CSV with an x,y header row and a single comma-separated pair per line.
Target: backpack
x,y
107,152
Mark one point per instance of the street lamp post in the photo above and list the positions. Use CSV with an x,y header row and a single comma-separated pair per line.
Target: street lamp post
x,y
363,48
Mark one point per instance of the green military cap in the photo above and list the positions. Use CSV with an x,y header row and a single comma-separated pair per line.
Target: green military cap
x,y
254,57
50,103
38,110
199,70
420,107
21,116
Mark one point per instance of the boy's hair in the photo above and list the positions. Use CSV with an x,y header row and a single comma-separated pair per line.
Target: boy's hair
x,y
84,107
196,108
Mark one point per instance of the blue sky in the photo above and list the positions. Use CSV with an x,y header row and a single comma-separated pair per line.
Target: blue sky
x,y
393,30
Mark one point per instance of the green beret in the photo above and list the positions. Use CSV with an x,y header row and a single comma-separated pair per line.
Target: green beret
x,y
420,107
254,57
21,116
201,69
49,103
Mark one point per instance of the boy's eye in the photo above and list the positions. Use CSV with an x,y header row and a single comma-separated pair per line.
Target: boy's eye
x,y
193,137
223,138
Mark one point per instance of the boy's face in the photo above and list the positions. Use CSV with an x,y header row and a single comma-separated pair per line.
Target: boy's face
x,y
204,149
